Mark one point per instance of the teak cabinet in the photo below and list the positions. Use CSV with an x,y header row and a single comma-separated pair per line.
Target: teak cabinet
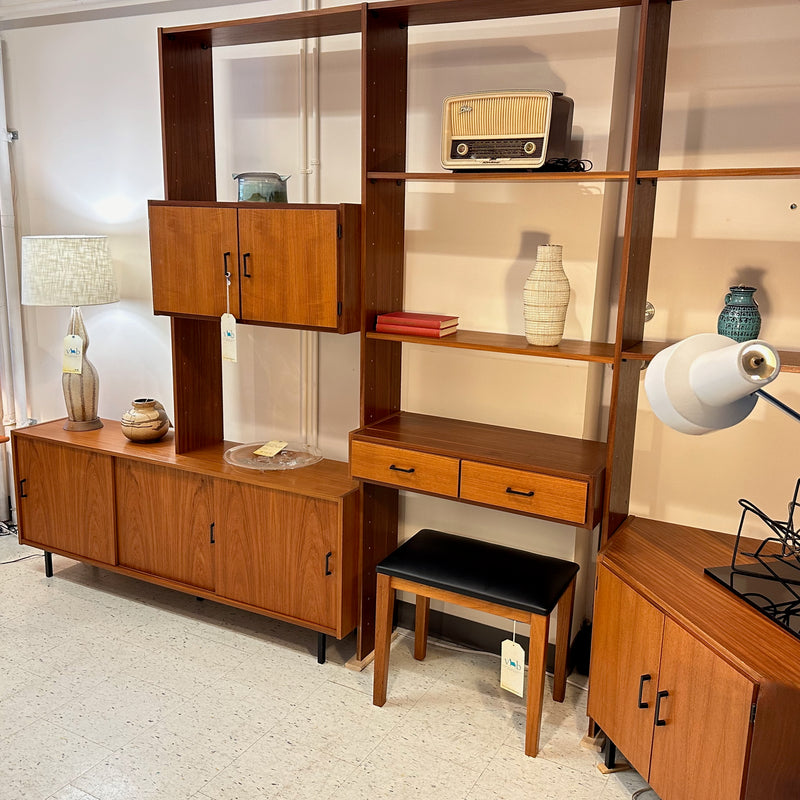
x,y
288,265
279,544
698,690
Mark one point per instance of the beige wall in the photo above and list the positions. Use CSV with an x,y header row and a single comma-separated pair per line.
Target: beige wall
x,y
84,97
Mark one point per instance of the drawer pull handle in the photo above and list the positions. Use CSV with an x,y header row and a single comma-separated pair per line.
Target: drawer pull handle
x,y
659,697
328,563
509,490
401,469
244,265
225,257
22,487
642,681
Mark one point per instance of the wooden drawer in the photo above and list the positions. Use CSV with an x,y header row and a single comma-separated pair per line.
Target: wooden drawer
x,y
520,490
406,469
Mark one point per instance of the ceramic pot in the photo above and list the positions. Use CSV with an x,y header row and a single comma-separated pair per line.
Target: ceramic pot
x,y
740,320
546,297
145,421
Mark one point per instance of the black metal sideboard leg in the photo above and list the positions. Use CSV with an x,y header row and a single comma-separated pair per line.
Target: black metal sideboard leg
x,y
321,646
48,564
610,754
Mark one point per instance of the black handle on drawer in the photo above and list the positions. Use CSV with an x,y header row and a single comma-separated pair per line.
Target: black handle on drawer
x,y
21,489
244,265
642,680
659,697
328,563
211,532
225,257
509,490
401,469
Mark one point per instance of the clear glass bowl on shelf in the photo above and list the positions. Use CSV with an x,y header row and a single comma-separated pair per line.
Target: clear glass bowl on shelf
x,y
293,456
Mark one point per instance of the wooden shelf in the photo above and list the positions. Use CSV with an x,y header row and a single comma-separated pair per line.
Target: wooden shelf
x,y
499,177
570,349
556,455
278,28
743,172
644,351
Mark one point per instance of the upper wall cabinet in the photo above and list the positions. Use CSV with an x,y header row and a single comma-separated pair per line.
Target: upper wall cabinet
x,y
289,265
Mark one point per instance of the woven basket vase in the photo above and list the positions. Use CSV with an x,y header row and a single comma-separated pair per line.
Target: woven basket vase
x,y
546,297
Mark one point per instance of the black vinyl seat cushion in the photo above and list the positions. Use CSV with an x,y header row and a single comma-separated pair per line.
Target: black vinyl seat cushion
x,y
490,572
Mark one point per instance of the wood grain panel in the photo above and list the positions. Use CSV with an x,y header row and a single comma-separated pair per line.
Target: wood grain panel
x,y
188,247
290,266
626,645
406,469
187,115
271,552
707,715
164,523
196,383
65,499
525,491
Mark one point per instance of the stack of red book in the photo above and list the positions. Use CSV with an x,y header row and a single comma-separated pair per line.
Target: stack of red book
x,y
412,323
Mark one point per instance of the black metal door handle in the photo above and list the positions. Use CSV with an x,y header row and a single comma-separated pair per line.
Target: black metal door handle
x,y
328,563
509,490
225,257
21,490
245,256
642,680
659,697
211,532
401,469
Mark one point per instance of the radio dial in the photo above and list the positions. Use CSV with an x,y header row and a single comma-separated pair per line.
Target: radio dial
x,y
529,148
462,149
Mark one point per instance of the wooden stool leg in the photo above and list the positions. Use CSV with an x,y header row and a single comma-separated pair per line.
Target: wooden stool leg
x,y
563,635
384,612
537,663
421,627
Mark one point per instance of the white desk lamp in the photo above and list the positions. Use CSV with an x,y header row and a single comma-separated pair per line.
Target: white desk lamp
x,y
708,382
71,271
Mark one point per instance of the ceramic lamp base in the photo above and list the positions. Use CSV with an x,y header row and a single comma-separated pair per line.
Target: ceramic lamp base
x,y
83,425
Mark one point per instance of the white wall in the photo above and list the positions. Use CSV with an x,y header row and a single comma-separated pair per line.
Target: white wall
x,y
85,99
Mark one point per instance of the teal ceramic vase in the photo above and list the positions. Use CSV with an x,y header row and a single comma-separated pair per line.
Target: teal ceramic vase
x,y
740,319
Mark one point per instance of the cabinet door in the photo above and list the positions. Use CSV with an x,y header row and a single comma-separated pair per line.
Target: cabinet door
x,y
289,266
701,751
626,649
65,499
278,551
188,247
164,521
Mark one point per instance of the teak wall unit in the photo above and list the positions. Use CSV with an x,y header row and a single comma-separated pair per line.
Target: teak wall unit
x,y
601,470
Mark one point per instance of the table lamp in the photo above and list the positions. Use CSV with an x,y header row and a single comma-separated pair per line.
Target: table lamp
x,y
71,271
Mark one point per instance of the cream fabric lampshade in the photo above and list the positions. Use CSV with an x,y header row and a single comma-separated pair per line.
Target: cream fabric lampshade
x,y
67,271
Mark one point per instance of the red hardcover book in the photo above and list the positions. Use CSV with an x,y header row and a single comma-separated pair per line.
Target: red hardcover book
x,y
417,320
414,330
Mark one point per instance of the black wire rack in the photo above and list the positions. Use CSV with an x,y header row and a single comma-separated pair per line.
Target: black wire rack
x,y
768,577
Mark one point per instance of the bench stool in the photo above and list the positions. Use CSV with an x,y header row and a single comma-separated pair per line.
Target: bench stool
x,y
510,583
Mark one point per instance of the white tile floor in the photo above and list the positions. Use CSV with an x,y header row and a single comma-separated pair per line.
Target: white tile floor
x,y
113,689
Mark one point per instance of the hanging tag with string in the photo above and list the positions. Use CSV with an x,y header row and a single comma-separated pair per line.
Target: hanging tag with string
x,y
72,361
512,665
228,321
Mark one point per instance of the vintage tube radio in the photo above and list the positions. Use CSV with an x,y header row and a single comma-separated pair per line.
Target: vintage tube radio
x,y
505,130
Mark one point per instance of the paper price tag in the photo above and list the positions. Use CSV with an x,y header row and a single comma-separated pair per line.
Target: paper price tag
x,y
228,327
271,448
512,667
73,354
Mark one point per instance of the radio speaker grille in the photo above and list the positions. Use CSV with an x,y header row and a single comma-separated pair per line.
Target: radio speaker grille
x,y
509,115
